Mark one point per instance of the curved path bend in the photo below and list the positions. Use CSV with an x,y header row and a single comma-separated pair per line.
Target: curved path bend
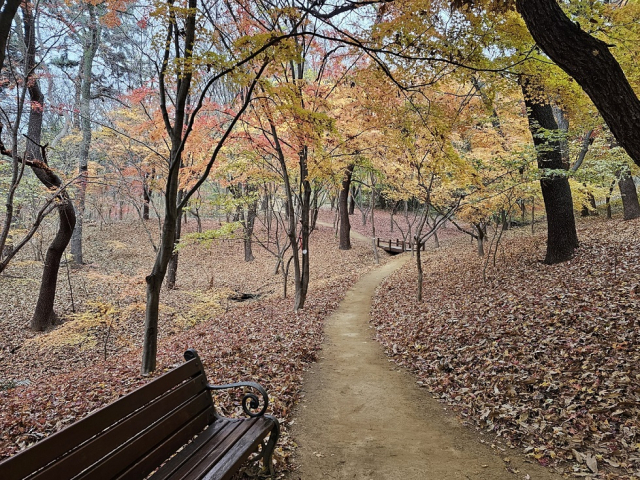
x,y
364,418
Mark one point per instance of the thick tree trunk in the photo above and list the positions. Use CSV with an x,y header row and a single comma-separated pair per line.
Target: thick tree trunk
x,y
589,61
10,7
562,238
89,50
343,208
630,205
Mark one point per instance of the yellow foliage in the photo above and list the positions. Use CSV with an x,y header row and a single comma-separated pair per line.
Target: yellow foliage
x,y
205,306
83,330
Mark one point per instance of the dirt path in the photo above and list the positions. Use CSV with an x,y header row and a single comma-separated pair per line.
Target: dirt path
x,y
363,418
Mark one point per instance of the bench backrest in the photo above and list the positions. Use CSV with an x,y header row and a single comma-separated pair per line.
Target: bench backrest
x,y
126,439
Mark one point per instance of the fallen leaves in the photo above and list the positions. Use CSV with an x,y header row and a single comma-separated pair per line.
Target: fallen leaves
x,y
545,356
46,384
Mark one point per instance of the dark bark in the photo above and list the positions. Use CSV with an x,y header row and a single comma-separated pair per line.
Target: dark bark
x,y
343,208
589,61
480,237
172,211
590,208
172,267
562,238
352,201
629,194
305,194
44,315
9,9
608,199
250,220
146,196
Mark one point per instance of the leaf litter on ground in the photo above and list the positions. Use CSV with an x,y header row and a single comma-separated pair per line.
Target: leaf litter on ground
x,y
544,356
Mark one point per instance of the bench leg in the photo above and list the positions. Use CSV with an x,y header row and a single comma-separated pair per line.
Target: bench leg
x,y
267,450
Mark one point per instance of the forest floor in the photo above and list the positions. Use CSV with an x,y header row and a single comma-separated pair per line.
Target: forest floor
x,y
541,359
97,348
544,358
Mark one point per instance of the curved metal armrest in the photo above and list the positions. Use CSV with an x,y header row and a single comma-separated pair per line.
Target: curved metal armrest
x,y
250,401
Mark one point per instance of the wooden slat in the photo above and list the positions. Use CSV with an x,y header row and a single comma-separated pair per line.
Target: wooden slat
x,y
169,469
122,433
22,464
190,463
150,439
225,468
157,456
217,450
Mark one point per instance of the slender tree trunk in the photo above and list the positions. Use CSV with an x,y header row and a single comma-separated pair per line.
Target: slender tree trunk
x,y
352,201
376,257
172,212
305,194
44,315
89,50
248,230
172,267
562,237
589,61
146,197
345,224
480,238
630,205
315,211
608,199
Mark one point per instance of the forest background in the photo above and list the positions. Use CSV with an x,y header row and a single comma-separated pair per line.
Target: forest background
x,y
143,134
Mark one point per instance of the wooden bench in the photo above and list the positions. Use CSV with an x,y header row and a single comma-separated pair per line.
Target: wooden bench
x,y
132,437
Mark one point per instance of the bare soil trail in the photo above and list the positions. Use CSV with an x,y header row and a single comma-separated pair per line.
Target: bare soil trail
x,y
364,418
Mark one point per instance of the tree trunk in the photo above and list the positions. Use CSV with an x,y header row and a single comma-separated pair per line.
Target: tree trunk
x,y
480,238
44,315
589,61
630,205
6,19
89,50
420,271
172,267
172,212
146,197
343,208
305,194
352,201
248,230
562,238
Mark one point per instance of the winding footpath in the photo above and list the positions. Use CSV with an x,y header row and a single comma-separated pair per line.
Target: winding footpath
x,y
363,418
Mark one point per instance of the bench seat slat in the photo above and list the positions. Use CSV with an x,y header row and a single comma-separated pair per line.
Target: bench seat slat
x,y
21,465
159,455
150,439
211,452
169,469
242,448
121,433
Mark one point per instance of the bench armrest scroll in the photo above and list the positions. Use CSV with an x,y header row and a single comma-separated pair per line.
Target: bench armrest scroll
x,y
250,401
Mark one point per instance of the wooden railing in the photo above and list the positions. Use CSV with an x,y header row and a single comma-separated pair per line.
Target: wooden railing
x,y
398,245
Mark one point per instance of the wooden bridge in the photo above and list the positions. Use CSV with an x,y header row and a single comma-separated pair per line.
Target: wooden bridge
x,y
397,246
